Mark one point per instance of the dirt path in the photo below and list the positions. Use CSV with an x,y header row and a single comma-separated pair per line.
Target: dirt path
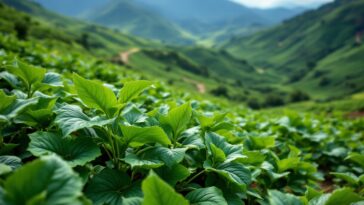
x,y
201,88
124,56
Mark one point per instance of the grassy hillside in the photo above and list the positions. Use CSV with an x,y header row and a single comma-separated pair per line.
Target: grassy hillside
x,y
319,51
43,24
130,17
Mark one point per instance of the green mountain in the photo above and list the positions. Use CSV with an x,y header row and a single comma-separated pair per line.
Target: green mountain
x,y
185,67
320,51
130,17
43,24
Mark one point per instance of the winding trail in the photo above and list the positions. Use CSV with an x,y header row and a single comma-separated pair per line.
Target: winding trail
x,y
124,56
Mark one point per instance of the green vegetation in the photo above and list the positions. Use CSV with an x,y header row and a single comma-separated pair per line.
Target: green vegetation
x,y
319,52
69,140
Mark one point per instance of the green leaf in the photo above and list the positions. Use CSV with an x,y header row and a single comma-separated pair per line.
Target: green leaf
x,y
288,163
232,152
132,89
175,174
262,142
16,108
48,178
170,157
312,193
158,192
278,198
10,78
53,79
357,158
348,177
40,113
12,161
149,162
95,95
343,196
178,118
217,154
113,187
28,74
206,196
233,172
6,101
76,151
5,169
138,136
70,118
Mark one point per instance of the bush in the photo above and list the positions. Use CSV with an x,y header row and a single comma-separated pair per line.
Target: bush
x,y
22,29
220,91
298,96
273,101
254,103
324,81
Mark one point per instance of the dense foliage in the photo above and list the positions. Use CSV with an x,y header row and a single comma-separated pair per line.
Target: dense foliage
x,y
65,139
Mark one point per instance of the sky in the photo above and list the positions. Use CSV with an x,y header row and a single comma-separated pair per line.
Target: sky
x,y
282,3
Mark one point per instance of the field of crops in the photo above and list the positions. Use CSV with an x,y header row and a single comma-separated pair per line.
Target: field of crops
x,y
68,139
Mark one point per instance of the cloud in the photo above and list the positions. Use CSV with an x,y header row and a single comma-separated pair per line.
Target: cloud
x,y
281,3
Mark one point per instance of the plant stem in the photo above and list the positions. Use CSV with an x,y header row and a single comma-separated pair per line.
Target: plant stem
x,y
194,177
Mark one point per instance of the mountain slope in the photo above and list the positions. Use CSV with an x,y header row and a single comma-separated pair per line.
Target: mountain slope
x,y
132,18
44,24
318,51
218,19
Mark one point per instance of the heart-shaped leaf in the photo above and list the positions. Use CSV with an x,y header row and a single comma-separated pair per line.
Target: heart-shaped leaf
x,y
113,188
132,89
206,196
48,180
76,151
95,95
70,118
157,192
138,136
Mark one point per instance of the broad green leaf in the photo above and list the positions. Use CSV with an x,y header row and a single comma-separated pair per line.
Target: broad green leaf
x,y
288,163
132,89
70,118
262,142
133,115
170,157
234,172
53,79
145,162
29,74
206,196
5,169
357,158
178,118
158,192
253,157
312,193
174,174
319,200
138,136
217,154
17,107
76,151
48,179
348,177
232,152
113,187
95,95
6,101
278,198
40,113
10,78
12,161
343,196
